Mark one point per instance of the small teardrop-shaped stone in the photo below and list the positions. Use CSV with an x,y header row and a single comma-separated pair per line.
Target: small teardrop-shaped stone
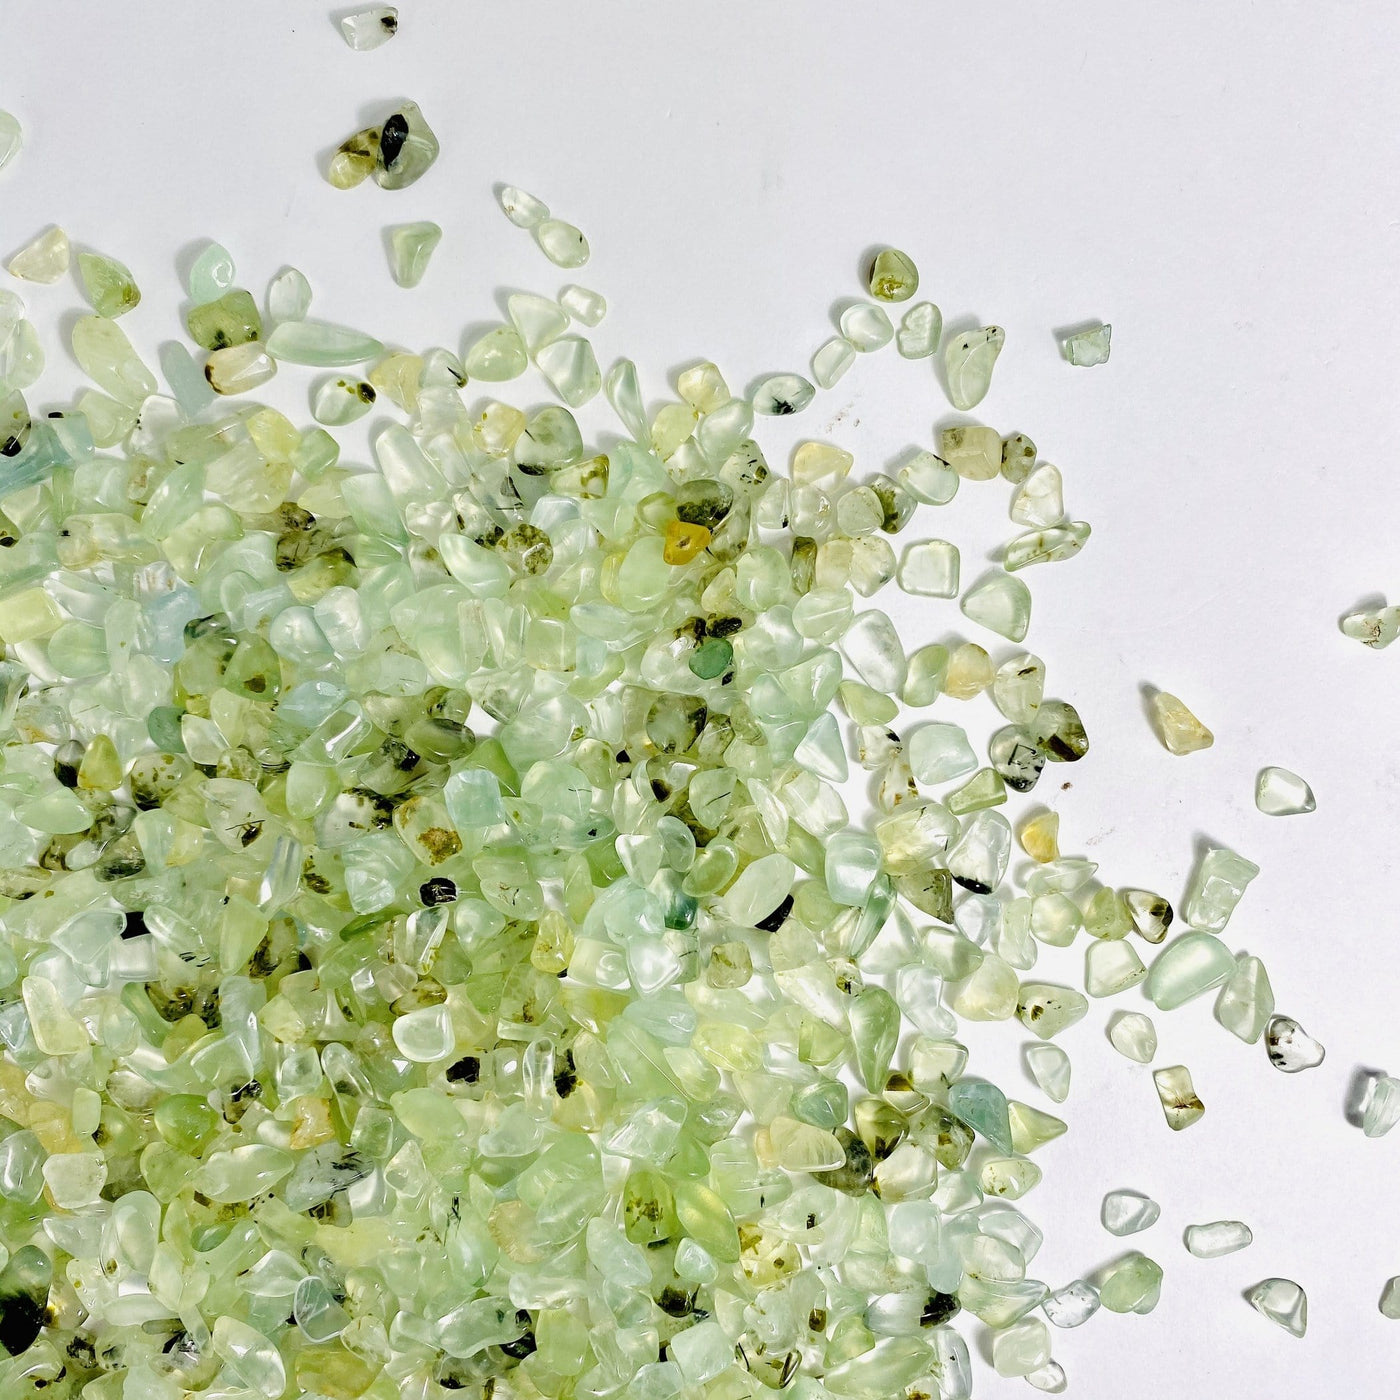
x,y
1178,729
1279,793
782,394
562,243
411,247
1001,603
1132,1034
968,360
1290,1047
893,276
497,355
1390,1298
1151,914
44,260
1283,1302
1050,1067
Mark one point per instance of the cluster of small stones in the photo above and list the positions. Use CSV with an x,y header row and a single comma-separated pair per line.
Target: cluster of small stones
x,y
435,951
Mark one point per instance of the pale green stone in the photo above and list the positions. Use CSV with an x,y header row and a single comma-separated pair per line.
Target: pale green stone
x,y
336,401
1049,1378
871,644
893,276
1018,688
75,1179
1188,967
983,1107
44,260
1008,1177
239,368
537,319
406,148
928,478
562,243
920,330
1216,887
211,274
1217,1239
832,360
250,1358
930,569
1132,1034
1133,1285
1021,1348
1128,1212
1178,729
985,788
1376,629
1246,1001
1382,1110
1050,1068
411,247
586,307
968,361
781,395
1283,1302
1111,967
1180,1103
106,357
973,451
11,138
1030,1128
1045,546
1046,1009
1087,347
496,355
1390,1298
365,30
109,284
1073,1305
939,752
1040,499
978,859
874,1021
231,319
320,343
1279,793
866,326
288,296
571,367
1000,603
928,668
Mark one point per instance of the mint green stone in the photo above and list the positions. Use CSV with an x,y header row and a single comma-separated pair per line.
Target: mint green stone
x,y
109,285
983,1107
320,343
1188,967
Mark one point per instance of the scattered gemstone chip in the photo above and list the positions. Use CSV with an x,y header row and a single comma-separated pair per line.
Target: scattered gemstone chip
x,y
1087,347
1283,1302
1279,793
369,29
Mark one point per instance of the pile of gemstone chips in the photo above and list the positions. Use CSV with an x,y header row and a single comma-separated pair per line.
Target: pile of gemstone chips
x,y
436,952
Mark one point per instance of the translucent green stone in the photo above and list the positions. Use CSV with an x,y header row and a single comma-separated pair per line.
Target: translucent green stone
x,y
407,148
1290,1048
1217,885
570,366
1045,546
1030,1128
1217,1239
320,343
1188,967
109,284
866,326
1128,1212
1000,603
44,260
336,401
561,243
1022,1348
11,138
1283,1302
968,361
239,368
982,1106
102,350
893,276
781,395
288,296
211,274
1279,793
1046,1010
1050,1068
231,320
832,360
1246,1001
1180,1103
1390,1298
1133,1285
365,30
1133,1035
1111,967
1178,729
411,247
920,331
1087,347
586,307
497,355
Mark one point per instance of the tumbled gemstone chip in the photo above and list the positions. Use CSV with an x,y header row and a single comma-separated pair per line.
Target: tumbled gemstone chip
x,y
109,284
1073,1305
320,343
44,260
1050,1067
1246,1001
1047,546
1000,603
232,319
1279,793
411,247
1291,1049
368,29
1390,1298
1178,729
1187,967
781,395
1382,1108
1219,1238
1087,347
1046,1010
893,276
1180,1103
1150,913
562,243
1283,1302
920,330
521,207
1133,1285
1376,628
238,368
11,138
832,360
968,361
1128,1212
1217,886
407,148
1132,1034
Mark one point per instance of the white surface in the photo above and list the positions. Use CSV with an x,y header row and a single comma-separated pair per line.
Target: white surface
x,y
1217,180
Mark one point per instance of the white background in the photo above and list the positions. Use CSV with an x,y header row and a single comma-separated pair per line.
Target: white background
x,y
1217,180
